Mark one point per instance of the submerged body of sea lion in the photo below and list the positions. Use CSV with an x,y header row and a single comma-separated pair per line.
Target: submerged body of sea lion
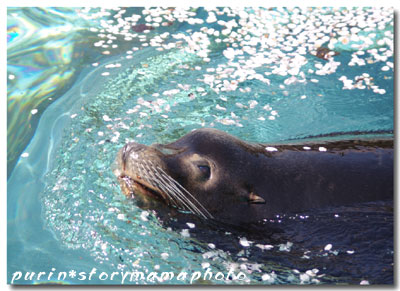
x,y
220,177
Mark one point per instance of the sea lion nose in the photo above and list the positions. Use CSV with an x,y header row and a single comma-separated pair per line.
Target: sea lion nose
x,y
133,147
130,150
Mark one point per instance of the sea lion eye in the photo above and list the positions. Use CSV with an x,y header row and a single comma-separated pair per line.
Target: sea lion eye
x,y
205,170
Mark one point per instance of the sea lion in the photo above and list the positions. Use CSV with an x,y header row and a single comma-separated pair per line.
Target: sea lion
x,y
220,177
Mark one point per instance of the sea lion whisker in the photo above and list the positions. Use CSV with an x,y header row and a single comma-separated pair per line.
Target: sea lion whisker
x,y
153,181
178,196
179,202
145,179
169,183
190,205
160,183
174,196
173,192
188,193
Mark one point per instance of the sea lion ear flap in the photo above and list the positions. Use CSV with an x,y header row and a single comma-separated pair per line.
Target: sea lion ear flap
x,y
253,198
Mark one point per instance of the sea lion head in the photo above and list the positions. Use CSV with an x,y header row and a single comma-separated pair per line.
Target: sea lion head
x,y
207,172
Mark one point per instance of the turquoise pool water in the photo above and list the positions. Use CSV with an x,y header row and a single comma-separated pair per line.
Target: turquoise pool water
x,y
107,76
